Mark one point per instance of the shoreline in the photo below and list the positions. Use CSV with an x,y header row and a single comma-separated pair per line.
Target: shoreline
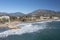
x,y
7,24
13,24
44,20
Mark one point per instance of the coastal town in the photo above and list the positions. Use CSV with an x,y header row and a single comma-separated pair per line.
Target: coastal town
x,y
10,22
11,19
29,19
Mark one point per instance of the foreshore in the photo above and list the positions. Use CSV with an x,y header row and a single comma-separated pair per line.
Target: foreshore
x,y
12,25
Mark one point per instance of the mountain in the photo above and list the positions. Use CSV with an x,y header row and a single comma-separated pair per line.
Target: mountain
x,y
11,14
39,12
16,14
42,12
3,14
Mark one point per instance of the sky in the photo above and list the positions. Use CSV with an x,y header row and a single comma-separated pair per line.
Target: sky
x,y
27,6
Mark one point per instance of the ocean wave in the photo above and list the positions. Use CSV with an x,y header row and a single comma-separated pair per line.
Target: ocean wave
x,y
28,28
25,28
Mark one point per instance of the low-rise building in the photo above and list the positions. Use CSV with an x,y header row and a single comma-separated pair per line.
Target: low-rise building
x,y
44,18
55,17
4,18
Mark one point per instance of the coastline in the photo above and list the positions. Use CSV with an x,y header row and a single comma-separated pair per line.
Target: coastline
x,y
13,24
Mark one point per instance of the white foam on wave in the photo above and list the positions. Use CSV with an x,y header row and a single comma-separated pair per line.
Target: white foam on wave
x,y
57,20
28,28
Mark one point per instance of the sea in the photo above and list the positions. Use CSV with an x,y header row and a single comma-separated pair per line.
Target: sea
x,y
43,30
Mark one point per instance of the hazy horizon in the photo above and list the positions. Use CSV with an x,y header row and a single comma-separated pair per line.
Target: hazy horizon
x,y
27,6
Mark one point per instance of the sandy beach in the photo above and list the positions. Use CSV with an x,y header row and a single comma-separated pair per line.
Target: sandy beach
x,y
10,25
13,24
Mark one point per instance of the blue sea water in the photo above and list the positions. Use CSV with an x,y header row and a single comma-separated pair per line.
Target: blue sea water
x,y
45,30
